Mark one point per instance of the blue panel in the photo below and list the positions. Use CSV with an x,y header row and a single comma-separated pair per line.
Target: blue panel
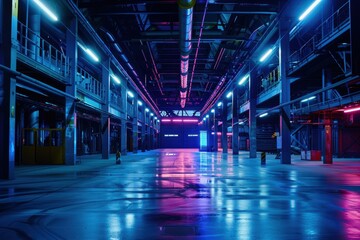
x,y
203,141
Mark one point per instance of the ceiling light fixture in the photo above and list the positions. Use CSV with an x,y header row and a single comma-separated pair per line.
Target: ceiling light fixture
x,y
242,81
266,55
46,10
349,110
309,9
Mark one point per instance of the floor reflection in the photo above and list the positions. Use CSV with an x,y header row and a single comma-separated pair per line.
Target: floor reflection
x,y
183,194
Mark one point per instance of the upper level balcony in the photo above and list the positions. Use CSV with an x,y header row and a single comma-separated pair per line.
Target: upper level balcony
x,y
329,30
38,53
86,83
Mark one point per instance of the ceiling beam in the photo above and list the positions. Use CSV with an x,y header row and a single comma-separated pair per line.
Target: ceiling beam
x,y
115,12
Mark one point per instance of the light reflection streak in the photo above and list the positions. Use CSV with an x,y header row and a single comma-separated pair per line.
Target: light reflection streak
x,y
114,226
129,220
244,228
351,214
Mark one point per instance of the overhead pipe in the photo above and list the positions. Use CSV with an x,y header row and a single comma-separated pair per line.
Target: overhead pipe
x,y
185,29
198,46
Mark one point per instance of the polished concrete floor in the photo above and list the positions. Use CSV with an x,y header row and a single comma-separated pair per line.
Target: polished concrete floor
x,y
183,194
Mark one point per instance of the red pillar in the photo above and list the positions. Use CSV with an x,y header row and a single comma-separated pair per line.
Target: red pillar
x,y
328,142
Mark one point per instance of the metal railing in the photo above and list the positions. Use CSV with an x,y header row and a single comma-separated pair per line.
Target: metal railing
x,y
131,110
88,83
33,46
326,30
116,99
270,81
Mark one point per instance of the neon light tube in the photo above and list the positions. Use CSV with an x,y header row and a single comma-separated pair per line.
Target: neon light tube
x,y
266,55
139,103
165,120
263,115
229,95
92,55
116,79
177,120
352,110
46,10
130,94
309,9
219,104
308,99
242,81
190,120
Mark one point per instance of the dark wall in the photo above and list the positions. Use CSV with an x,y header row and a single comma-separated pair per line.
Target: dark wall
x,y
176,135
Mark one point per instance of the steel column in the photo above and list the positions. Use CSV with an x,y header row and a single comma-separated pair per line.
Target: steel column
x,y
326,81
123,138
105,118
235,120
34,34
148,133
224,126
135,124
8,32
285,126
70,104
328,156
143,129
208,128
252,115
215,132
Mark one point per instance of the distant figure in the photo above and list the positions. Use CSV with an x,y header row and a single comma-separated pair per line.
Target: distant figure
x,y
118,155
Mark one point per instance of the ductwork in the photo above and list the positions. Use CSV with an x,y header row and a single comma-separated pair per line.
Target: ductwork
x,y
185,25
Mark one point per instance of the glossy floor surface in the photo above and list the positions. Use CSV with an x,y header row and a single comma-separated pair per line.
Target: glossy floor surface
x,y
183,194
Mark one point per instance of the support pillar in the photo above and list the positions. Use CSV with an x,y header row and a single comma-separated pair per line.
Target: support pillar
x,y
252,115
326,81
151,138
123,140
224,126
328,155
215,133
34,34
143,128
8,32
235,120
208,129
33,120
285,126
70,104
147,121
105,135
105,118
135,125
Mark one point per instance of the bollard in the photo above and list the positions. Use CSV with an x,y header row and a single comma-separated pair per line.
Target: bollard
x,y
263,158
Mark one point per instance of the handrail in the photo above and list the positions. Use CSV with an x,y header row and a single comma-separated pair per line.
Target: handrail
x,y
32,45
88,83
326,29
